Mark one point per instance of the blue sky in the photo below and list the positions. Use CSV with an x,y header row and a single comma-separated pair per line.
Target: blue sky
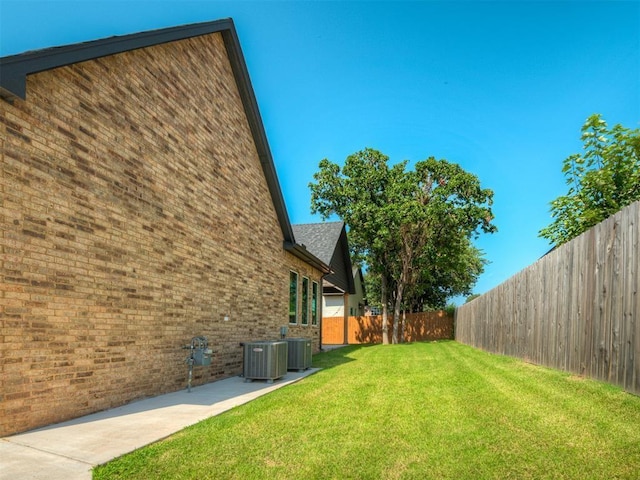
x,y
502,88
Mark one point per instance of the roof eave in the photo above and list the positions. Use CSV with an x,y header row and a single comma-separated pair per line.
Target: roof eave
x,y
302,253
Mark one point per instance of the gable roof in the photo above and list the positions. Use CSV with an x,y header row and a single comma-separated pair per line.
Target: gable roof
x,y
15,68
328,241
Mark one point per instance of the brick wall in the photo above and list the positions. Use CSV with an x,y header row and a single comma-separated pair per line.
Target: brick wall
x,y
134,215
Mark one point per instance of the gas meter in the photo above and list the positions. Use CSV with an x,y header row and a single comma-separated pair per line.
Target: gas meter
x,y
199,355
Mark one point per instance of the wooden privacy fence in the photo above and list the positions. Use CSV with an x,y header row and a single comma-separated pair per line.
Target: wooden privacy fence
x,y
576,309
422,326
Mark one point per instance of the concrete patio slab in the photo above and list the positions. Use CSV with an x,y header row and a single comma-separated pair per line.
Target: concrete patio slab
x,y
68,450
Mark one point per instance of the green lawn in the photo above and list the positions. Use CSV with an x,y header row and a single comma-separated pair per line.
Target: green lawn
x,y
421,411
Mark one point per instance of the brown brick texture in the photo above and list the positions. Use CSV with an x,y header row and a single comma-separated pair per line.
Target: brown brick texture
x,y
134,215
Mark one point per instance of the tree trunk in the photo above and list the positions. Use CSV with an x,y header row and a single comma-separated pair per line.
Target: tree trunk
x,y
396,311
404,323
385,314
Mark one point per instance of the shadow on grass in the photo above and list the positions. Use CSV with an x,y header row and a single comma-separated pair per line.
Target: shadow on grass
x,y
336,356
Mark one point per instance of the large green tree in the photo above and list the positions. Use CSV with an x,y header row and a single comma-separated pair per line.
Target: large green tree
x,y
410,227
450,270
602,180
363,194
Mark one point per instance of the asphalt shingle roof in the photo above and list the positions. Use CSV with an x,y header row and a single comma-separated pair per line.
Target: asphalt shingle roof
x,y
321,239
328,242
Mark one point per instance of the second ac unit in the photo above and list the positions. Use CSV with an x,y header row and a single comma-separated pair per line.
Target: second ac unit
x,y
299,353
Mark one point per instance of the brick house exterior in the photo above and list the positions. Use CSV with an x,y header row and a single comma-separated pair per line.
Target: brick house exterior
x,y
139,207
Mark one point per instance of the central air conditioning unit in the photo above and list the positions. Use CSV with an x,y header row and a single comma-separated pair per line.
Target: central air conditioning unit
x,y
299,354
265,360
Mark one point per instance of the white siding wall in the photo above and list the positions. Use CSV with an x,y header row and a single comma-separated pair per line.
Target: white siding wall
x,y
332,306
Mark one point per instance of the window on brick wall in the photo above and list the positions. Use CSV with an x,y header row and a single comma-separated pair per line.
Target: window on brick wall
x,y
314,303
293,297
305,301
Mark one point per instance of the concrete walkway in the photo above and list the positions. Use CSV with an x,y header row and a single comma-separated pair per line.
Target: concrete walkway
x,y
68,451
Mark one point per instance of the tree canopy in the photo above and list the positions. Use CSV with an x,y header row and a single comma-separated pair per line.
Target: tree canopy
x,y
412,228
602,180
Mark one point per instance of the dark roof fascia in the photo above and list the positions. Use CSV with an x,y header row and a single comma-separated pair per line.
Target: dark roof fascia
x,y
361,277
302,253
15,68
346,255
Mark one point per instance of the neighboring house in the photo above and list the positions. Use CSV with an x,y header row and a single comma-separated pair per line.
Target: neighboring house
x,y
345,284
140,208
358,301
333,301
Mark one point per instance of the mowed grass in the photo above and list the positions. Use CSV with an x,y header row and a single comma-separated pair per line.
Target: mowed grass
x,y
420,411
